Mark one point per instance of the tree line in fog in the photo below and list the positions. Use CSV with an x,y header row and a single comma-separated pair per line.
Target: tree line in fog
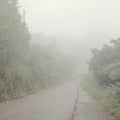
x,y
25,67
105,63
103,80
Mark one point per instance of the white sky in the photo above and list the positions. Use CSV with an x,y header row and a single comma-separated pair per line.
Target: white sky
x,y
85,24
73,17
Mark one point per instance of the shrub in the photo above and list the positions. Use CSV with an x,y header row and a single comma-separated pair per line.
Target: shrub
x,y
108,96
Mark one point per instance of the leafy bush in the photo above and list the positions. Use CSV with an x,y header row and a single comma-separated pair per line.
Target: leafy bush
x,y
105,63
25,68
111,100
108,96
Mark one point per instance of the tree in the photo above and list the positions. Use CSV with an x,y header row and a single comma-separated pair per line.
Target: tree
x,y
14,43
105,63
14,38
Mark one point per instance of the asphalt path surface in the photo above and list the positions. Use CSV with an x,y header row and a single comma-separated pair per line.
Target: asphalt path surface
x,y
52,104
87,108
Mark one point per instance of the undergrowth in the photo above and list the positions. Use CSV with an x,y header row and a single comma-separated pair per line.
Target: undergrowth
x,y
108,96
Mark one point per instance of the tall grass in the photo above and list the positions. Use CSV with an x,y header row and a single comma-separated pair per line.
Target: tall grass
x,y
108,96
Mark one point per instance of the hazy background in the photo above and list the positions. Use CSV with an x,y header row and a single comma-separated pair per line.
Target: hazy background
x,y
77,25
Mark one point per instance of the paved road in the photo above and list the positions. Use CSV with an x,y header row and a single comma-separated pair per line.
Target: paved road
x,y
88,109
52,104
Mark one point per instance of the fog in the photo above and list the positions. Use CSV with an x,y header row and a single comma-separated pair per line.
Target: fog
x,y
73,17
59,59
77,25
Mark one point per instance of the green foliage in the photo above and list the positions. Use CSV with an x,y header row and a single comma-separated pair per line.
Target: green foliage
x,y
105,66
108,96
90,85
112,71
14,44
105,63
25,68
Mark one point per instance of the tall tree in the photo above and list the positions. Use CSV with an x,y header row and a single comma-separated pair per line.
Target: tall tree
x,y
14,36
105,63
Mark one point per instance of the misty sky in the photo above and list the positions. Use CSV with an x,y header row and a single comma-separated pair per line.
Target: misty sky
x,y
80,24
73,17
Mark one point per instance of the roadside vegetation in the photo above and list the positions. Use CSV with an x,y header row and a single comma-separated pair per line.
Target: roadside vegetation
x,y
25,67
103,80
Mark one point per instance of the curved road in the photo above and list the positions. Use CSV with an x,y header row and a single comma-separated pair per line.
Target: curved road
x,y
53,104
61,103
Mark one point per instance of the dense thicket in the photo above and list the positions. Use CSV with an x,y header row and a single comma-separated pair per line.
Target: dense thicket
x,y
103,83
25,67
105,63
108,96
